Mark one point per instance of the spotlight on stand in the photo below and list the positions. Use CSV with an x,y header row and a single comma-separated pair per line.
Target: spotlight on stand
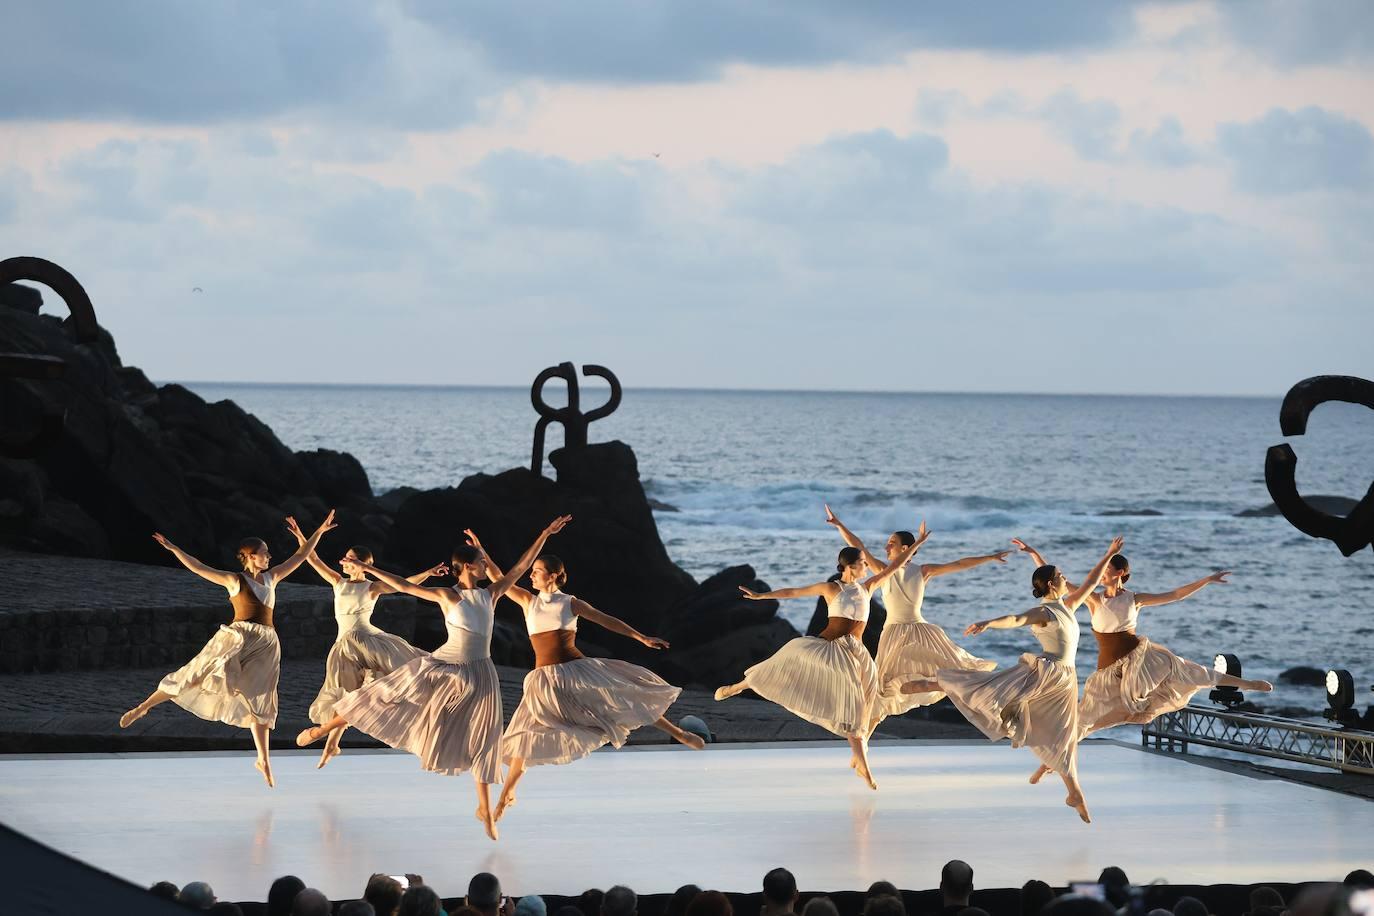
x,y
1340,701
1227,697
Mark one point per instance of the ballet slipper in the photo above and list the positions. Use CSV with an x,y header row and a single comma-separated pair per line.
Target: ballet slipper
x,y
1077,803
1039,774
328,754
132,716
265,768
308,737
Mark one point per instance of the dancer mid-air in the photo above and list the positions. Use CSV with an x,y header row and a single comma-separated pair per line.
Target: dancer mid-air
x,y
361,651
910,647
829,679
1034,702
1136,679
444,707
234,678
574,704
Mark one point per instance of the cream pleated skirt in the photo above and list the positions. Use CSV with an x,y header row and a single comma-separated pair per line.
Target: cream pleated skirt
x,y
831,683
915,651
355,655
233,679
572,708
448,714
1147,682
1034,703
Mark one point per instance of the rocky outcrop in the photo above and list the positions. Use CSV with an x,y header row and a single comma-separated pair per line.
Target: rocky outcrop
x,y
1305,676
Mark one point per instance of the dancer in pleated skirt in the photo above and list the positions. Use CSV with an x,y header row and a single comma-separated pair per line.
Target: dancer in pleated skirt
x,y
910,647
1034,702
444,707
361,651
1137,680
573,704
830,679
234,678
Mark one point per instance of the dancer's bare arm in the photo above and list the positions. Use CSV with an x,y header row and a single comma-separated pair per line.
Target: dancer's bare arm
x,y
852,540
824,589
289,565
209,573
1077,595
1036,616
901,560
327,573
1040,561
520,596
931,570
615,624
405,586
438,569
503,584
1183,591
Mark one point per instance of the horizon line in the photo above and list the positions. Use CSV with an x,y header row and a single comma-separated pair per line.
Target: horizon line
x,y
708,390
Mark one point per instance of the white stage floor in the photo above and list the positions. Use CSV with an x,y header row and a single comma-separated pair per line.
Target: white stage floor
x,y
657,818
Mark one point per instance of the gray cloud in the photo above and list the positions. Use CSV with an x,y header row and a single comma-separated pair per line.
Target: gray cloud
x,y
1300,34
1164,146
1090,126
1311,149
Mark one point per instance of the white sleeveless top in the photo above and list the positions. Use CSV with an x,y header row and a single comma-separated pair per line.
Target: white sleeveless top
x,y
550,611
1116,614
469,627
353,604
851,602
1058,638
266,593
903,593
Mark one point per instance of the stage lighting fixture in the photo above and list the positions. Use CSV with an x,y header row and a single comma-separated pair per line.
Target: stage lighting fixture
x,y
1227,697
1340,698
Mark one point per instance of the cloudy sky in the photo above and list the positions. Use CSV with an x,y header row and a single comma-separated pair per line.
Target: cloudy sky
x,y
1079,196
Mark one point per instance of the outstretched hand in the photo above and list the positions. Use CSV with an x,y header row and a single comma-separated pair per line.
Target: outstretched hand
x,y
557,524
975,628
653,642
1219,576
751,594
1117,543
1021,545
328,524
162,539
830,518
473,541
1001,556
295,530
438,569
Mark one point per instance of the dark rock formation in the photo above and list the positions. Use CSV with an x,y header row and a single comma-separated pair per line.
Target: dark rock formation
x,y
1304,675
1332,505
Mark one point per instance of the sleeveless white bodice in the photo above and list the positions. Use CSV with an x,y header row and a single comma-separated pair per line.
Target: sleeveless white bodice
x,y
468,621
1058,638
1116,614
903,593
851,602
353,604
266,591
550,611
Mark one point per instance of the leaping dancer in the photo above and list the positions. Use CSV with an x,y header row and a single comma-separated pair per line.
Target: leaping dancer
x,y
910,647
1034,702
829,679
444,707
234,678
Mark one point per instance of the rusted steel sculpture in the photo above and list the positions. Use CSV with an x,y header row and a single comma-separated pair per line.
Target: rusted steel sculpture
x,y
1356,529
27,443
573,419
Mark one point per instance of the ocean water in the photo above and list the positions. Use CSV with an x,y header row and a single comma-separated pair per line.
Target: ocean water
x,y
748,473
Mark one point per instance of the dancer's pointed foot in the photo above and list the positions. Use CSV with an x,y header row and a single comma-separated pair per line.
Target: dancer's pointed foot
x,y
504,802
926,685
1077,803
265,768
132,716
1039,774
695,742
329,753
726,692
488,823
309,737
865,774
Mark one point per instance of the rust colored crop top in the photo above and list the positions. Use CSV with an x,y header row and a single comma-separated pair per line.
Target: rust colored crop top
x,y
254,601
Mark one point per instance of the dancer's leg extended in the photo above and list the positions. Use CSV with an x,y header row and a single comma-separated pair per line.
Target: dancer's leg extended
x,y
484,813
261,736
156,698
859,746
513,774
695,742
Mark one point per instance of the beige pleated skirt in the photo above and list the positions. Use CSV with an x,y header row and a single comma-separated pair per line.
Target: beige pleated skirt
x,y
1148,682
233,679
831,683
915,651
448,714
1034,703
356,655
572,708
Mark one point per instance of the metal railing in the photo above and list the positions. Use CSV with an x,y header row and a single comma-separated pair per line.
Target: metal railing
x,y
1348,750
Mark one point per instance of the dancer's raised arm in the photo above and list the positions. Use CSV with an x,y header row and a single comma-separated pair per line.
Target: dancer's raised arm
x,y
615,624
1183,591
405,586
289,565
852,540
1078,594
327,572
503,583
1026,548
931,570
898,561
1034,617
209,573
827,590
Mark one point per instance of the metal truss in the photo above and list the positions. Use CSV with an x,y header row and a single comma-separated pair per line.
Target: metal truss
x,y
1349,750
